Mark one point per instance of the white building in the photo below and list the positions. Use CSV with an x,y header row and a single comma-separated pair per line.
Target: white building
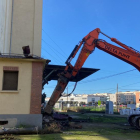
x,y
112,97
85,98
75,98
101,94
121,97
93,98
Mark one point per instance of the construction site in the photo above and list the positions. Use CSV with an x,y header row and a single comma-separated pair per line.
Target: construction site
x,y
27,68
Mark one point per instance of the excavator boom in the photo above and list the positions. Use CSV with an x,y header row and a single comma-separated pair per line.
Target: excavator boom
x,y
88,43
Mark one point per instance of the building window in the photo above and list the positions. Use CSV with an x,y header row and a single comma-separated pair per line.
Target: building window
x,y
10,80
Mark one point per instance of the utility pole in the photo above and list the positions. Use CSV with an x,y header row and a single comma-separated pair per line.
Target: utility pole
x,y
117,98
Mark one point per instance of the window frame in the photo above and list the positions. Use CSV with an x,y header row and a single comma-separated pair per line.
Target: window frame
x,y
10,69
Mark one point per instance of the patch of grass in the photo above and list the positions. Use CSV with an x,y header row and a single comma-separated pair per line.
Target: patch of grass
x,y
97,109
101,118
94,134
106,119
89,108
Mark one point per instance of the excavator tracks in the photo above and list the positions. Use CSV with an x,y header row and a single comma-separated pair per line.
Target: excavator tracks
x,y
134,120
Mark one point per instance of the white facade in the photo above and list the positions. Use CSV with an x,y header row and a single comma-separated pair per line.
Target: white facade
x,y
20,25
112,97
82,98
5,25
75,98
101,94
93,99
103,98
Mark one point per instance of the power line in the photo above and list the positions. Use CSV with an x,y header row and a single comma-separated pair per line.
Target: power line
x,y
52,50
56,44
50,54
129,89
112,90
128,85
101,79
131,84
106,77
94,89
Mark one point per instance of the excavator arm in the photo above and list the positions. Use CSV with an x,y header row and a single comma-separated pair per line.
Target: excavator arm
x,y
125,53
88,44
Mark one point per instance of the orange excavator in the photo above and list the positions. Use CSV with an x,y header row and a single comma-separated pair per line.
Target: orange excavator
x,y
88,43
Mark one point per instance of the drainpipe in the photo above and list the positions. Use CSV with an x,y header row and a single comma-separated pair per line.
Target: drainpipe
x,y
11,26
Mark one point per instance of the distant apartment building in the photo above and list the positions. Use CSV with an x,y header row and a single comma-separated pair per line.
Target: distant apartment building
x,y
112,97
75,98
103,98
137,93
119,98
84,98
125,97
72,98
101,94
93,98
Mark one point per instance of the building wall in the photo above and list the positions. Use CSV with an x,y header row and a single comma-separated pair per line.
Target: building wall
x,y
5,25
16,102
36,87
20,25
112,97
82,98
92,98
103,98
17,120
137,98
101,94
75,98
125,97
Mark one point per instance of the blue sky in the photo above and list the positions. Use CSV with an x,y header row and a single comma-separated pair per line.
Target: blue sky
x,y
66,22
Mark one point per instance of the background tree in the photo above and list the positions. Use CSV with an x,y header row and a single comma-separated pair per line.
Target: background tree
x,y
103,102
90,103
43,98
82,103
71,102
